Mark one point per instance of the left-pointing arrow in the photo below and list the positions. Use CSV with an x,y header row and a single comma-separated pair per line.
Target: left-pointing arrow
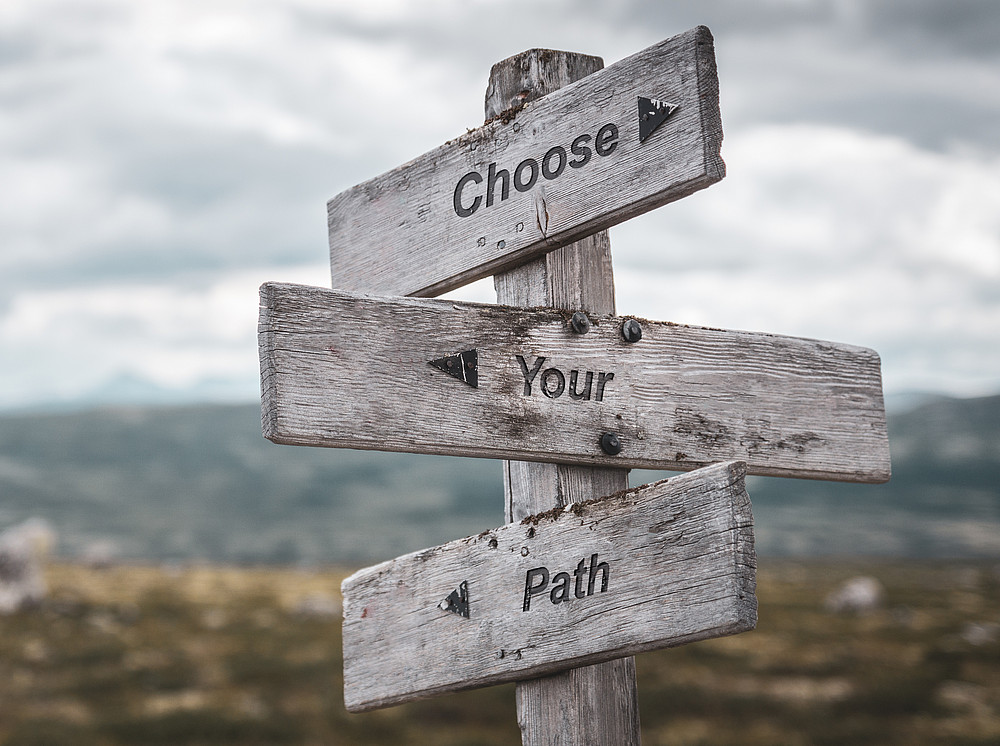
x,y
464,366
457,601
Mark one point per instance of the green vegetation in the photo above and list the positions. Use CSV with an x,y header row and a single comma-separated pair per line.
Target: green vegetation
x,y
208,655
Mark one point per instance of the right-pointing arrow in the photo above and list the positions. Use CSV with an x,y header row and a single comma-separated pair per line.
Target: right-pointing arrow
x,y
653,113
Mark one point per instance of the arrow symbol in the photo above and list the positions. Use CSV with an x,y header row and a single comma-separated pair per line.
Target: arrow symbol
x,y
464,366
457,601
653,113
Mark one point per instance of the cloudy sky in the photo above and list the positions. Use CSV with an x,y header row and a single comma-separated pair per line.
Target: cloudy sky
x,y
160,159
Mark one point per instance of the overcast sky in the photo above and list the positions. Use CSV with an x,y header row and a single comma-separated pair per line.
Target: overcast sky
x,y
160,159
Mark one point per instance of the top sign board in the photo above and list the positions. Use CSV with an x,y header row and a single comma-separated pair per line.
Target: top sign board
x,y
636,135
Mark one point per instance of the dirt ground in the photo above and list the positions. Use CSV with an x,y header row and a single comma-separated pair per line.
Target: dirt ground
x,y
216,655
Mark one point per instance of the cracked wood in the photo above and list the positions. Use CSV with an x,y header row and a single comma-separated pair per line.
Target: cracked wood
x,y
661,565
350,371
535,177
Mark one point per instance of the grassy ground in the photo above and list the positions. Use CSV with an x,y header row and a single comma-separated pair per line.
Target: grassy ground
x,y
137,655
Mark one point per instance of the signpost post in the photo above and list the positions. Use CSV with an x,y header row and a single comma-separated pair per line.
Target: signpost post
x,y
553,381
598,703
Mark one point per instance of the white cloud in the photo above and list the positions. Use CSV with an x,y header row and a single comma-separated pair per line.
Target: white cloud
x,y
831,233
67,344
147,145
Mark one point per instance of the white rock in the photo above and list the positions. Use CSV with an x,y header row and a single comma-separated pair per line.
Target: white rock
x,y
860,595
23,549
979,634
318,605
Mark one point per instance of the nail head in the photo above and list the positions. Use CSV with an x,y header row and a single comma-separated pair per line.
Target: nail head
x,y
631,330
610,444
580,322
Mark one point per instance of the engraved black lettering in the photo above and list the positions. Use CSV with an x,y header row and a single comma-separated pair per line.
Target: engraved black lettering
x,y
605,571
581,568
560,588
547,171
565,587
529,375
582,150
460,210
526,174
519,183
542,574
492,177
588,383
602,380
553,391
606,140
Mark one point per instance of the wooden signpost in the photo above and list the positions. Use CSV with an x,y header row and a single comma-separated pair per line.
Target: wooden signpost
x,y
466,379
662,565
554,379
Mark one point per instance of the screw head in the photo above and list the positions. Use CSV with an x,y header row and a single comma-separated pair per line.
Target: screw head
x,y
631,330
610,444
580,322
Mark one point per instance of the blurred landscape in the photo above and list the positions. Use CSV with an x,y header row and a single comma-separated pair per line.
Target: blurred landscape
x,y
207,655
194,593
170,578
201,484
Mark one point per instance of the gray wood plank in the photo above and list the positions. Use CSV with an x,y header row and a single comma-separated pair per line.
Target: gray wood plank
x,y
400,233
350,371
661,565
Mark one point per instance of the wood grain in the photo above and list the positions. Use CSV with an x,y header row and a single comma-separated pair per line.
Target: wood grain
x,y
350,371
596,704
661,565
399,233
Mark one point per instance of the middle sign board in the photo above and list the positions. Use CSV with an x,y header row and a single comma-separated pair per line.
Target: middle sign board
x,y
466,379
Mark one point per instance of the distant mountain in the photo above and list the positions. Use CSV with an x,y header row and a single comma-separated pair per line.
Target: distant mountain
x,y
943,499
201,482
187,483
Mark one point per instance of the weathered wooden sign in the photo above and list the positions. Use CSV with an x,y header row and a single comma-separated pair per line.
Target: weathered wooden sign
x,y
467,379
638,134
661,565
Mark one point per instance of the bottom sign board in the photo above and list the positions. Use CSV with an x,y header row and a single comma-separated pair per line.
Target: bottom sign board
x,y
656,566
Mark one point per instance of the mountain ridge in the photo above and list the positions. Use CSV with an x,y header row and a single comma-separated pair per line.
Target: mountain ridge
x,y
199,482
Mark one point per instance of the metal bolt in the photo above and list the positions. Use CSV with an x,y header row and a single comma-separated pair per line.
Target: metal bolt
x,y
610,444
580,322
631,330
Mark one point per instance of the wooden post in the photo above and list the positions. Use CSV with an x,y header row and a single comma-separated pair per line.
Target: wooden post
x,y
595,704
